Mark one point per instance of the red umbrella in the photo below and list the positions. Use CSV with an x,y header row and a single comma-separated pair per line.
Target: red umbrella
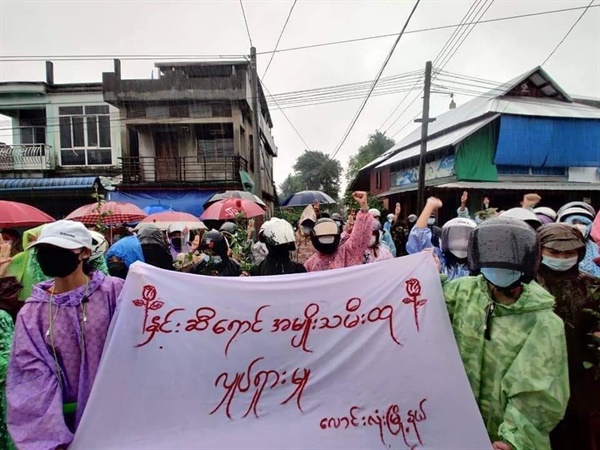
x,y
109,213
231,208
15,214
165,219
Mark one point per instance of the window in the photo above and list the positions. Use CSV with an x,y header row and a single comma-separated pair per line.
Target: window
x,y
85,135
378,179
215,141
538,171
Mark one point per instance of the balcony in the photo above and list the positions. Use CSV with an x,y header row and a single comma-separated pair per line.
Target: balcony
x,y
25,157
184,170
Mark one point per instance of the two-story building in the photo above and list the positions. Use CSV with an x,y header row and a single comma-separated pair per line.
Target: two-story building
x,y
188,134
65,137
527,135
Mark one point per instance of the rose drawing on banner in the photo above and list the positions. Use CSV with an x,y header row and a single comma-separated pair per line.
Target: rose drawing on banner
x,y
148,302
413,289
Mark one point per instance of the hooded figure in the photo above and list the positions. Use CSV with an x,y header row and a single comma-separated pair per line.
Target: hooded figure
x,y
376,251
59,337
215,260
304,246
581,215
278,236
331,254
155,249
179,239
511,342
123,254
563,247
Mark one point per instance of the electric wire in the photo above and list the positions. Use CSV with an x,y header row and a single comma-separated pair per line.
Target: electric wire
x,y
279,38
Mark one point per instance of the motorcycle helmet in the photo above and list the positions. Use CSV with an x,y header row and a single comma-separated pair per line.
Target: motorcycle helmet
x,y
325,236
276,232
214,242
505,243
455,236
228,227
99,245
568,209
545,214
375,213
524,214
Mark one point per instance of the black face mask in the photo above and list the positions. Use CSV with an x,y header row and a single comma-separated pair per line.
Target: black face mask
x,y
57,262
118,269
177,243
327,249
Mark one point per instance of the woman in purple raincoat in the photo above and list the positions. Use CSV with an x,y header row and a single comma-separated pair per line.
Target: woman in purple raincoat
x,y
58,340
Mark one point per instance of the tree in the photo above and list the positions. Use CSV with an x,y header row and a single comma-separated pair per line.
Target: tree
x,y
378,144
290,185
317,171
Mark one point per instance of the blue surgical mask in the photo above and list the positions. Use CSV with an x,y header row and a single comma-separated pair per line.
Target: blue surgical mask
x,y
559,264
431,221
501,277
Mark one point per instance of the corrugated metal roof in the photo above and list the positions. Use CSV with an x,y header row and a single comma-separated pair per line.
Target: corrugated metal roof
x,y
41,184
442,141
522,186
493,102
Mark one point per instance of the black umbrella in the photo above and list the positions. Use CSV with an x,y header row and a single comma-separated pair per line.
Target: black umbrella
x,y
305,198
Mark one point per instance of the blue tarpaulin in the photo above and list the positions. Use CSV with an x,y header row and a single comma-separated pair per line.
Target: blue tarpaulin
x,y
183,201
548,142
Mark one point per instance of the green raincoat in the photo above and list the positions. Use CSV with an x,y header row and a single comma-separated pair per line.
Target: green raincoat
x,y
519,376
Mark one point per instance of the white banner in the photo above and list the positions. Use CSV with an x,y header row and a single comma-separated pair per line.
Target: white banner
x,y
359,358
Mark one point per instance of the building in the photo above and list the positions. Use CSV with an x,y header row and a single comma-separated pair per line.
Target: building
x,y
65,140
527,135
188,134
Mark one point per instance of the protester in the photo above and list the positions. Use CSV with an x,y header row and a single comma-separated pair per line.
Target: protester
x,y
376,251
511,342
179,237
278,235
215,260
422,234
21,265
12,237
386,237
122,254
563,247
331,254
9,307
581,215
155,249
337,218
58,340
454,247
304,245
545,215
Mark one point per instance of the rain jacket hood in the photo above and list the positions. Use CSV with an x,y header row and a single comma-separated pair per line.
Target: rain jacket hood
x,y
519,376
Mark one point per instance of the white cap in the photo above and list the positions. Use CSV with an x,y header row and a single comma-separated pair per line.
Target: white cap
x,y
374,212
177,227
65,234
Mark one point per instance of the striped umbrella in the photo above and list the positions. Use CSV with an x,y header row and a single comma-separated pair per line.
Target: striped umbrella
x,y
108,213
164,220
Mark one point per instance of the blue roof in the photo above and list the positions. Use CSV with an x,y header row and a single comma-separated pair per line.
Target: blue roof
x,y
43,184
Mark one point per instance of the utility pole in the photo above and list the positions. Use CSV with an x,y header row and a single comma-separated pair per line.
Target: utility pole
x,y
424,130
256,125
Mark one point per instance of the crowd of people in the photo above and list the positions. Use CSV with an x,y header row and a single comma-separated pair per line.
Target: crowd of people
x,y
522,290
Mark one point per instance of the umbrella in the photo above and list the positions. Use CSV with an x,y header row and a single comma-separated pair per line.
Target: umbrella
x,y
15,214
230,208
235,194
158,208
164,220
109,213
305,198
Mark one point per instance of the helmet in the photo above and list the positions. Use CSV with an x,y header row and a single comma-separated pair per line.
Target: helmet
x,y
214,241
228,227
412,218
590,211
545,214
99,245
375,212
523,214
177,227
455,236
390,217
277,232
337,217
575,211
505,243
325,236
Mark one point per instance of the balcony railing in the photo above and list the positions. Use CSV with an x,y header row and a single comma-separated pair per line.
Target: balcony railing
x,y
182,169
25,157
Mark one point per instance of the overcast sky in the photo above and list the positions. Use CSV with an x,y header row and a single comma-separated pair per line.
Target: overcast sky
x,y
493,51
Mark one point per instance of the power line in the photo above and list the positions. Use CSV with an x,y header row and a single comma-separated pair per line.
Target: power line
x,y
33,58
364,103
568,32
279,38
246,22
286,117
